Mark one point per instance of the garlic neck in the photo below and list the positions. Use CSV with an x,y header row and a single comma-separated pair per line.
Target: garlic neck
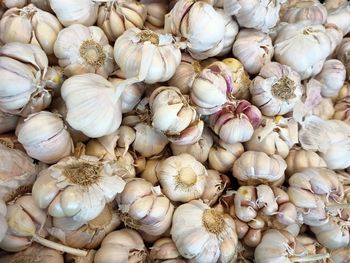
x,y
186,177
148,35
213,221
283,89
92,53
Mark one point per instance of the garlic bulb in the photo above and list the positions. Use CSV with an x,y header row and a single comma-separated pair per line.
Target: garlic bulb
x,y
202,234
215,186
146,55
332,76
343,54
344,91
222,155
77,188
253,168
82,49
303,47
51,144
260,15
114,18
174,116
156,11
185,74
339,14
13,3
37,27
22,67
276,89
274,137
182,177
89,258
340,255
3,222
125,245
77,12
200,25
300,10
342,110
300,159
231,31
324,109
253,49
144,208
149,173
8,122
199,150
165,251
83,95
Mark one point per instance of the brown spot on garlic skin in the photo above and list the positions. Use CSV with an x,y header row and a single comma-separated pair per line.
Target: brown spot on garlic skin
x,y
284,89
213,221
148,35
83,174
20,191
92,53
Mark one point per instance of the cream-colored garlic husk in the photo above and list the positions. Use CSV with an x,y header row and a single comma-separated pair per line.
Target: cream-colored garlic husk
x,y
342,110
144,208
146,55
260,15
164,250
276,89
203,234
149,173
115,17
75,12
215,186
343,54
3,222
77,188
202,27
231,31
324,109
8,122
125,245
23,68
51,144
253,49
253,168
35,26
182,177
156,11
299,10
339,14
82,49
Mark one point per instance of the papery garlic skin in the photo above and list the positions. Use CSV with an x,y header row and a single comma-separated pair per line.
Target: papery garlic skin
x,y
200,25
3,225
324,109
231,31
303,47
340,255
253,49
343,54
342,110
253,168
339,14
215,186
332,76
164,250
77,12
276,89
38,27
182,177
51,144
156,11
8,122
114,18
202,234
82,49
146,55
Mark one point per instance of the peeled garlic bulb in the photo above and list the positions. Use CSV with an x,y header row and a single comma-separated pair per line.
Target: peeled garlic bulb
x,y
51,144
82,49
8,122
203,234
200,25
276,89
339,14
146,55
182,177
253,49
36,26
77,12
77,188
253,168
125,245
114,18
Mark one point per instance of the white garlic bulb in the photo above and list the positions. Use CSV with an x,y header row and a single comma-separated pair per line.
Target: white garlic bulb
x,y
253,168
82,49
339,14
253,48
146,55
114,18
299,10
77,188
182,177
200,25
75,12
8,122
23,67
343,54
276,89
332,76
231,31
303,46
51,144
260,15
202,234
35,26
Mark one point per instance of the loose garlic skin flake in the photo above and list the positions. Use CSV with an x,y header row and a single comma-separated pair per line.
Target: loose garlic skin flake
x,y
204,235
82,49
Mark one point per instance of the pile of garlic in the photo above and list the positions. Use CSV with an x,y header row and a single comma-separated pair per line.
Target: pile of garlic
x,y
177,131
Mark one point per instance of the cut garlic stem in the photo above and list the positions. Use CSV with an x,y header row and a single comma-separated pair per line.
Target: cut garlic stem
x,y
310,258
